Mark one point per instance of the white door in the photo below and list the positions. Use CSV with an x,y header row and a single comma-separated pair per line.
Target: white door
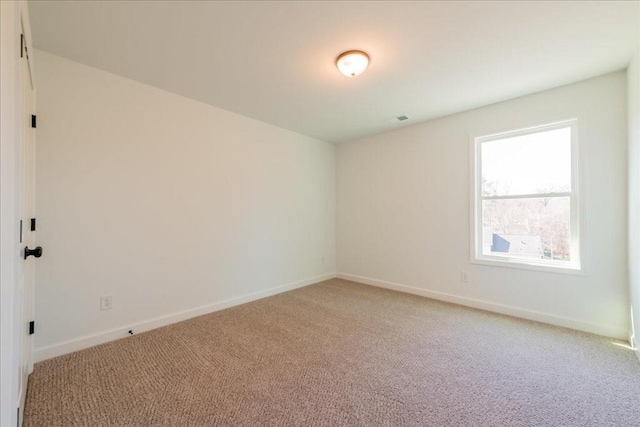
x,y
29,251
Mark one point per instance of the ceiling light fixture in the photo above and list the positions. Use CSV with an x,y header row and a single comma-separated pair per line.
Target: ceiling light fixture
x,y
352,62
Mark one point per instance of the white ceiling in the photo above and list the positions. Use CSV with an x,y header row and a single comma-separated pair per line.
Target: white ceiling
x,y
274,61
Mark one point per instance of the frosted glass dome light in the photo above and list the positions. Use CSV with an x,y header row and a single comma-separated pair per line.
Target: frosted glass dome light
x,y
352,62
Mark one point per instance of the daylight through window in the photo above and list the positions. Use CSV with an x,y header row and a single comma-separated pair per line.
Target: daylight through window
x,y
526,201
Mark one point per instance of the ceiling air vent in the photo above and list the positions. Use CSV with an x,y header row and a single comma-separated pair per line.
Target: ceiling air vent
x,y
398,119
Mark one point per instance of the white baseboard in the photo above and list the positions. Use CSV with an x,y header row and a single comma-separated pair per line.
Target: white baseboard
x,y
634,344
552,319
75,344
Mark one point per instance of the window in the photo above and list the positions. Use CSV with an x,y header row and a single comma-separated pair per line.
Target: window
x,y
525,198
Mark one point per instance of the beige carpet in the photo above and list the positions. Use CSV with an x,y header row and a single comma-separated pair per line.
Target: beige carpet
x,y
339,353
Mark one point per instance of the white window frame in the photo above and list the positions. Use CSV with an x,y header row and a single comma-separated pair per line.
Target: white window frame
x,y
575,266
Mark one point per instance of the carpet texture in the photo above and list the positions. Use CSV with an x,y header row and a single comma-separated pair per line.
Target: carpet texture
x,y
339,353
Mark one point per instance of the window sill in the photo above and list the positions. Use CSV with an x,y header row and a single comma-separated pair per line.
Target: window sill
x,y
528,265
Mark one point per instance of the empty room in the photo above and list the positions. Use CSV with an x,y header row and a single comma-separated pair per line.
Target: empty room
x,y
320,213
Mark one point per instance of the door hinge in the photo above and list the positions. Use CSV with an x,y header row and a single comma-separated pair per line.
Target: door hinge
x,y
21,45
33,224
20,231
33,120
32,327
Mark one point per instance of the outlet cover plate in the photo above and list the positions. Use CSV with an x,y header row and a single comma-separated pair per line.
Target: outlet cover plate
x,y
464,276
106,302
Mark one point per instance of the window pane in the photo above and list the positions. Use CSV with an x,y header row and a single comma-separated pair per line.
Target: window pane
x,y
527,164
527,228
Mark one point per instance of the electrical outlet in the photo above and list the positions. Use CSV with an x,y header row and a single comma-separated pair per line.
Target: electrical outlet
x,y
106,302
464,276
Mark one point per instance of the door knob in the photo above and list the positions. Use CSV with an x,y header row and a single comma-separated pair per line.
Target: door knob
x,y
37,252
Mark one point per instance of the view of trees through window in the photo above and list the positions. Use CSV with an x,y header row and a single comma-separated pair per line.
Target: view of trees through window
x,y
526,195
533,228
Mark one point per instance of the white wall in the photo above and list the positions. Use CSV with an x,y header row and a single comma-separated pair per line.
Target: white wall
x,y
172,206
633,100
403,210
